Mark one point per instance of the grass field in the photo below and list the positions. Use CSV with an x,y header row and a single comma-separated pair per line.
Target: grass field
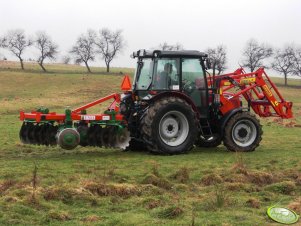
x,y
47,185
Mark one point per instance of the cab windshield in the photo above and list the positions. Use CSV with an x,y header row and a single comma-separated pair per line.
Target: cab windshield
x,y
144,74
158,74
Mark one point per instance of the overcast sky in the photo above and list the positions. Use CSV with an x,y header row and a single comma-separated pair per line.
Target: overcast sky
x,y
196,24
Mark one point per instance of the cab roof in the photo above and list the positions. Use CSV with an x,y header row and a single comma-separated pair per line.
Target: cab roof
x,y
163,53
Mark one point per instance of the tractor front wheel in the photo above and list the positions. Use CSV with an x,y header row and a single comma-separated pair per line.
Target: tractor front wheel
x,y
170,126
243,132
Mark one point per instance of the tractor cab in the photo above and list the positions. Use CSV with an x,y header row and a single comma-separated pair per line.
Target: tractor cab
x,y
182,72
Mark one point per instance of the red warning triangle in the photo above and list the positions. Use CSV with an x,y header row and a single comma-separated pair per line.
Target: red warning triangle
x,y
126,83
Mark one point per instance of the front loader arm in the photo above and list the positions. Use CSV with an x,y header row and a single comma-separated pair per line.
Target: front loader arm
x,y
258,90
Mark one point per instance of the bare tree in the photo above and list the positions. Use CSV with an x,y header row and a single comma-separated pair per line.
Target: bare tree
x,y
284,61
297,61
3,43
66,59
218,58
16,42
84,49
168,47
254,54
47,48
109,45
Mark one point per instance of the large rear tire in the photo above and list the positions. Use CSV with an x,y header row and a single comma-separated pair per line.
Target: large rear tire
x,y
170,126
243,132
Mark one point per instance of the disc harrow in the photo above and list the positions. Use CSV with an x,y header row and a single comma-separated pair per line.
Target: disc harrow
x,y
76,127
37,133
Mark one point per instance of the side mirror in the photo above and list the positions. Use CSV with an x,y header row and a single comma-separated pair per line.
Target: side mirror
x,y
208,63
134,54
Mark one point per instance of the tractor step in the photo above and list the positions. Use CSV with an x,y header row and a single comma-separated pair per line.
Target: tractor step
x,y
205,128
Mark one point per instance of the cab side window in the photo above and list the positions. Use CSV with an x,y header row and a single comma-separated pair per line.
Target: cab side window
x,y
194,84
166,74
192,73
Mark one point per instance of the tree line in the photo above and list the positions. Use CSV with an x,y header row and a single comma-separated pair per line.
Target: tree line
x,y
109,44
105,43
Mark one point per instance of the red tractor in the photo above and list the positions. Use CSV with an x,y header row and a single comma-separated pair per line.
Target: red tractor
x,y
174,104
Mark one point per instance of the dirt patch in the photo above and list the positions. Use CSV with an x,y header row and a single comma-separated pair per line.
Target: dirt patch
x,y
171,212
7,184
295,205
66,195
239,167
260,178
11,199
278,121
122,190
153,203
235,178
182,175
211,179
253,203
60,216
298,180
157,181
91,218
285,187
290,124
236,186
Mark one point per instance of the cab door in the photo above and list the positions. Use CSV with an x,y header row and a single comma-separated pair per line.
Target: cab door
x,y
194,84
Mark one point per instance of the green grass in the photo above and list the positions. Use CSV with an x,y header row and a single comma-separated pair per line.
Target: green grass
x,y
108,187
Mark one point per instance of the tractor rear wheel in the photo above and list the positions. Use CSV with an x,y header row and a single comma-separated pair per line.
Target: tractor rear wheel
x,y
170,126
243,132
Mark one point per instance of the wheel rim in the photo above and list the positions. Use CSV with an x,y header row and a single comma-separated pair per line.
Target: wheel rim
x,y
173,128
244,133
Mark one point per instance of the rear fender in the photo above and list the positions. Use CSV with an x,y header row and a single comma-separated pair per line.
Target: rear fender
x,y
175,94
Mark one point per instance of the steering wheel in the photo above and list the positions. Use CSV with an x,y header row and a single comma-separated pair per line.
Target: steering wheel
x,y
188,86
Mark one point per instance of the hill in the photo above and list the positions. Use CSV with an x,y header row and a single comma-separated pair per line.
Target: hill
x,y
48,185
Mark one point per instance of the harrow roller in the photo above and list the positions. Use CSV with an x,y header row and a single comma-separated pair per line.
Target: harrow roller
x,y
68,138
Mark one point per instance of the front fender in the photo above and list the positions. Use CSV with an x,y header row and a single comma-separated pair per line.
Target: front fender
x,y
226,118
